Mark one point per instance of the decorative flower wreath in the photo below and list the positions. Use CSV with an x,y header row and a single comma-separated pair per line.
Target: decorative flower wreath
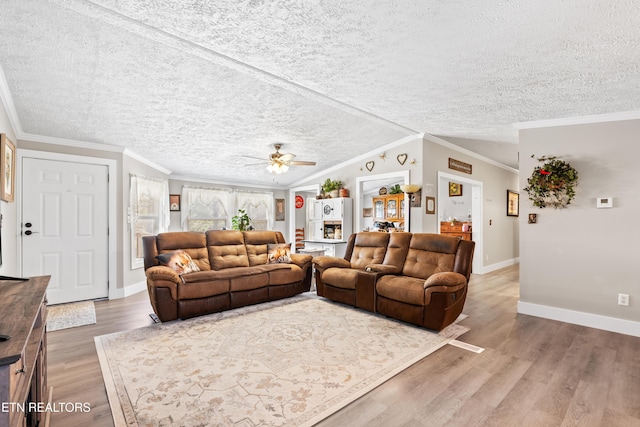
x,y
552,184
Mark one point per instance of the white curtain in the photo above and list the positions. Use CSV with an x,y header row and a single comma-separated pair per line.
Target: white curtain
x,y
258,205
149,212
205,208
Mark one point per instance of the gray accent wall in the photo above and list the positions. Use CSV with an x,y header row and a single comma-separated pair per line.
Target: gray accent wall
x,y
575,261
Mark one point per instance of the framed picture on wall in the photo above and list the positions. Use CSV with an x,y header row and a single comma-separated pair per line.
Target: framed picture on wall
x,y
455,189
174,202
7,168
513,202
279,209
431,205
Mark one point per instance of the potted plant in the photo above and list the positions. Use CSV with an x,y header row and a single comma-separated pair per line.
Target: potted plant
x,y
241,221
332,187
552,184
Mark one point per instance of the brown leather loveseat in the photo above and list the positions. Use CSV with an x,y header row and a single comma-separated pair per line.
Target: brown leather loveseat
x,y
418,278
234,272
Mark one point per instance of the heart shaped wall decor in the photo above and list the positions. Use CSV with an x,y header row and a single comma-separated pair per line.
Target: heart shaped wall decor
x,y
370,165
402,158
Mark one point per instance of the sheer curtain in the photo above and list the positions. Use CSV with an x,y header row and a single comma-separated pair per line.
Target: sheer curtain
x,y
205,209
259,207
149,212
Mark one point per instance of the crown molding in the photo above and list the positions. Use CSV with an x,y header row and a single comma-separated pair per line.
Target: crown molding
x,y
447,144
143,160
598,118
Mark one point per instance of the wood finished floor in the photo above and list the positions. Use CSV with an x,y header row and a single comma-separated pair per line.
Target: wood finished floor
x,y
534,372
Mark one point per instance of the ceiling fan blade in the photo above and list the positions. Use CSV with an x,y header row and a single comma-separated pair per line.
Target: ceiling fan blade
x,y
301,163
254,164
287,157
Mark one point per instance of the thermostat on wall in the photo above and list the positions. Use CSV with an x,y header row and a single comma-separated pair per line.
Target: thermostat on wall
x,y
604,202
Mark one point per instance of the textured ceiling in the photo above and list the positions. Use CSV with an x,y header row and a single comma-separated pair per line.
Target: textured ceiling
x,y
193,86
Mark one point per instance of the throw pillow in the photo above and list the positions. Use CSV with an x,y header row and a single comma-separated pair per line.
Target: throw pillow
x,y
179,260
279,253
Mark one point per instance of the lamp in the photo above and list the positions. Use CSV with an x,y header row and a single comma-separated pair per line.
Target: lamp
x,y
410,190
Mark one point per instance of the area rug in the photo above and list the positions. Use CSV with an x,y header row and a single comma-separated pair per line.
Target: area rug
x,y
287,363
65,316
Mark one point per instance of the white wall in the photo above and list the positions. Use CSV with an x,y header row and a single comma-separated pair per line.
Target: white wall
x,y
9,211
575,261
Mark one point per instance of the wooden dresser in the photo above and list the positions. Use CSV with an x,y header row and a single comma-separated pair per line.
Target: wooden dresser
x,y
454,228
23,357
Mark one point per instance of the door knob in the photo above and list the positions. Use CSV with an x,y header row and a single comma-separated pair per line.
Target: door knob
x,y
29,232
28,225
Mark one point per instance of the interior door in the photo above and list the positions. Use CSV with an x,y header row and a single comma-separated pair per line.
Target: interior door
x,y
65,228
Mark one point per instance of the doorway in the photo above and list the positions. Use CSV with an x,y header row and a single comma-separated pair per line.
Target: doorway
x,y
65,215
362,185
471,210
300,204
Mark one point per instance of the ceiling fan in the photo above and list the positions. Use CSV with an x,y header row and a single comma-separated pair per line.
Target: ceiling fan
x,y
279,163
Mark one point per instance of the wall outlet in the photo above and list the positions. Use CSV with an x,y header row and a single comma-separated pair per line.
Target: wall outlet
x,y
623,299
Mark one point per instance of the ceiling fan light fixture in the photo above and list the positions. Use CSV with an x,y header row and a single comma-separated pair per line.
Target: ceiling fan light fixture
x,y
277,168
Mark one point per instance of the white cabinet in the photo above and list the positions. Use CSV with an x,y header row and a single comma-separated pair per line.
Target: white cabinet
x,y
332,227
331,209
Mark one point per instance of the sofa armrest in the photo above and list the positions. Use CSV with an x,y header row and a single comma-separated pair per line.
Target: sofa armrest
x,y
382,269
162,272
443,282
301,260
324,262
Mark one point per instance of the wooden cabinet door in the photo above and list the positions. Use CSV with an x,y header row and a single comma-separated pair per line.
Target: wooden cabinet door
x,y
378,209
392,209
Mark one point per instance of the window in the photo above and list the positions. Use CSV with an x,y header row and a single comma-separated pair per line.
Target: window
x,y
259,207
205,209
212,208
149,212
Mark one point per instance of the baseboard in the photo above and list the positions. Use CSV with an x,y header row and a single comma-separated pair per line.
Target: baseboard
x,y
128,291
611,324
497,266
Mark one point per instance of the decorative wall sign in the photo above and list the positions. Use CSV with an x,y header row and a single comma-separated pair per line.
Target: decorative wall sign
x,y
430,203
299,201
402,158
459,166
174,202
513,203
455,189
533,218
370,165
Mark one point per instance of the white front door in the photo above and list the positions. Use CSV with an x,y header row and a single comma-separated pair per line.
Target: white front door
x,y
65,228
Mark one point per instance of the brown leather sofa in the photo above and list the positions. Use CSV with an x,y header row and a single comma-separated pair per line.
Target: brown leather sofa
x,y
418,278
233,272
